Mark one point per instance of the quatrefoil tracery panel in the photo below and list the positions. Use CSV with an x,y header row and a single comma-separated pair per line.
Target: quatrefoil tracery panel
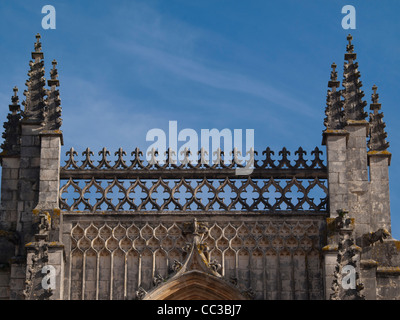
x,y
194,195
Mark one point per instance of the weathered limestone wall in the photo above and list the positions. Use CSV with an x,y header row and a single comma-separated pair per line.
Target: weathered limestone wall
x,y
388,281
8,219
368,202
9,193
28,180
49,187
49,172
336,149
27,189
5,283
379,190
357,177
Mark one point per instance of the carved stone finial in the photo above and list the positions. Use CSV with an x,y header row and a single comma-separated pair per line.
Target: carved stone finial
x,y
15,89
38,45
377,135
334,72
334,105
343,221
350,46
12,133
53,72
353,95
14,106
195,228
52,114
36,92
375,96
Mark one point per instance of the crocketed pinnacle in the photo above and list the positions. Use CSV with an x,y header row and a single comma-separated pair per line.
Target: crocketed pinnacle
x,y
334,105
377,134
52,111
352,93
12,134
35,93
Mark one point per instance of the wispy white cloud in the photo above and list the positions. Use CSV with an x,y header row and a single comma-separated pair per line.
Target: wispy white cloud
x,y
99,118
177,48
220,79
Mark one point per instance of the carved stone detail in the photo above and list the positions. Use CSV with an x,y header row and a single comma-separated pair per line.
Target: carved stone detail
x,y
221,249
372,237
33,288
348,255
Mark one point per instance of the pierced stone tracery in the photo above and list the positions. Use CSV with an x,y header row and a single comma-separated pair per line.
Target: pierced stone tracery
x,y
111,260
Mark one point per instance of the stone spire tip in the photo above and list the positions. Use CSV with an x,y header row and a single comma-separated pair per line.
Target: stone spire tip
x,y
38,45
14,100
333,81
350,46
375,98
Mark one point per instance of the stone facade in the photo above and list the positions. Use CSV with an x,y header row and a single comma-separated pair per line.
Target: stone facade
x,y
292,229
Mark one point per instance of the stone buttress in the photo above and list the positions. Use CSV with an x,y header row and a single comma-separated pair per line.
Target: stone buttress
x,y
30,185
358,161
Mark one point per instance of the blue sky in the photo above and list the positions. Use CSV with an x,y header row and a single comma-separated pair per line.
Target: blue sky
x,y
131,66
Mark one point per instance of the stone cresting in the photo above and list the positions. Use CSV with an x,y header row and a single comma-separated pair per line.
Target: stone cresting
x,y
125,229
87,166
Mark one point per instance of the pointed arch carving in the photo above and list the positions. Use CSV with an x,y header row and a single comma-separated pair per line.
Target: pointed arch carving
x,y
195,285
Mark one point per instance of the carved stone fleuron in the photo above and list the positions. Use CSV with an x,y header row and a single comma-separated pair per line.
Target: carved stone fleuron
x,y
352,94
195,228
177,266
377,135
158,279
215,266
140,293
